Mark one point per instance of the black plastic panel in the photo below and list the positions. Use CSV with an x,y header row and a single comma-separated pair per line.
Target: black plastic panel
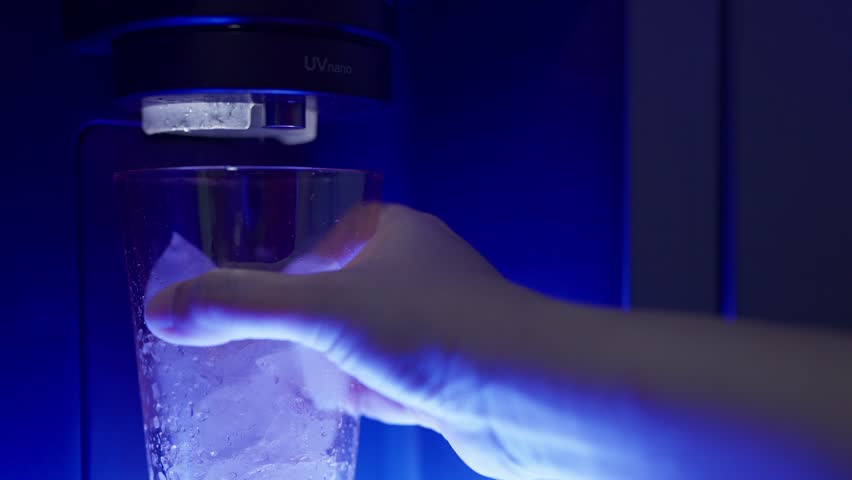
x,y
253,60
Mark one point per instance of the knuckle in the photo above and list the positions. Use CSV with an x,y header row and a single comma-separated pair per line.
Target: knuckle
x,y
193,298
402,216
394,213
433,221
183,303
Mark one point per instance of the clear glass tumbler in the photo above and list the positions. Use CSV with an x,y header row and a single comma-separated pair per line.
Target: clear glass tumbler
x,y
246,410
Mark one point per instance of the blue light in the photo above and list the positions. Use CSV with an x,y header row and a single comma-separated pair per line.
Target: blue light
x,y
101,43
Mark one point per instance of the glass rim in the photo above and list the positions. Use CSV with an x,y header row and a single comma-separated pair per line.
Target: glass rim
x,y
269,171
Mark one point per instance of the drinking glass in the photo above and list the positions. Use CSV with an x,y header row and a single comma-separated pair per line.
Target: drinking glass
x,y
253,409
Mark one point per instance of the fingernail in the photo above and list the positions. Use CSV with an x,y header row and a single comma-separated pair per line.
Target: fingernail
x,y
159,313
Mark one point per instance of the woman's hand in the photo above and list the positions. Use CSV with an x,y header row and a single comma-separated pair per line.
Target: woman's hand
x,y
526,387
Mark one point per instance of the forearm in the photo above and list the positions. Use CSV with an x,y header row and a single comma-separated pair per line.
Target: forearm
x,y
634,386
775,375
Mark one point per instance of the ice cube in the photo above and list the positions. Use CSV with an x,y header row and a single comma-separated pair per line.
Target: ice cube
x,y
231,419
298,433
238,469
282,365
323,382
252,410
298,471
180,261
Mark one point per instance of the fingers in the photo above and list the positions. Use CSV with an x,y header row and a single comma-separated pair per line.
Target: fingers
x,y
230,304
341,244
373,233
227,305
234,304
334,250
370,403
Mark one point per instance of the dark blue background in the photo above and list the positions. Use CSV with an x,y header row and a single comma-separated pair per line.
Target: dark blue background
x,y
508,123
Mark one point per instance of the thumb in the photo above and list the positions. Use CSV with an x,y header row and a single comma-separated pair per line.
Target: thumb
x,y
312,310
232,304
